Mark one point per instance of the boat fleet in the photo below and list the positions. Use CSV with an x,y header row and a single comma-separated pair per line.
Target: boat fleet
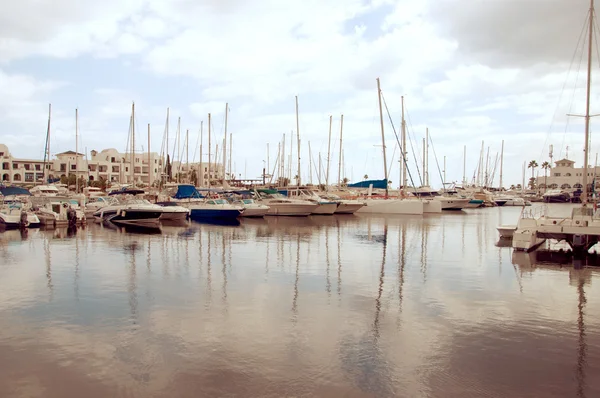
x,y
53,206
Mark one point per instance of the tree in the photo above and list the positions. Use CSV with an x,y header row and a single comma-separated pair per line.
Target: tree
x,y
512,187
194,177
546,166
366,177
532,183
168,167
519,186
345,181
532,165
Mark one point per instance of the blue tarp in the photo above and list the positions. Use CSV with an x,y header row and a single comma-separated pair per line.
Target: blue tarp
x,y
187,192
380,184
10,191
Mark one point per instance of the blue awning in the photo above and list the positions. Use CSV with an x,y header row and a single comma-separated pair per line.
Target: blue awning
x,y
187,192
10,191
379,184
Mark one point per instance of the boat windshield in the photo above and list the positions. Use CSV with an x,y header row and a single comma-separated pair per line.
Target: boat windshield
x,y
247,201
217,202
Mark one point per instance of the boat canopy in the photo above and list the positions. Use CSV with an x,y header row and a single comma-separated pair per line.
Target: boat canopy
x,y
13,191
127,192
187,192
379,184
268,191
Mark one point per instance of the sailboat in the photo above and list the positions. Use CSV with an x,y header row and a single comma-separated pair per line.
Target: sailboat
x,y
387,205
582,230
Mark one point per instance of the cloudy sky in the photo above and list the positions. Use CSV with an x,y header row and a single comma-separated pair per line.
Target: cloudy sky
x,y
470,70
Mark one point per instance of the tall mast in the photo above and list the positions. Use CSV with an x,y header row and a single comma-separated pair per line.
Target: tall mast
x,y
187,152
309,164
501,163
230,155
200,167
424,169
444,183
319,172
179,150
298,138
427,156
225,144
209,150
291,155
584,195
167,133
282,150
47,148
385,172
341,148
403,149
76,149
328,155
133,143
268,159
464,165
149,165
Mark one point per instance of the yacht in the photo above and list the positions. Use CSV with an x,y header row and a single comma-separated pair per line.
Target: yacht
x,y
556,196
131,212
449,202
251,208
325,206
44,190
344,206
54,211
391,206
14,210
214,209
280,205
95,203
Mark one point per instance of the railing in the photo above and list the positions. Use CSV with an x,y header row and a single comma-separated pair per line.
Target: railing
x,y
534,212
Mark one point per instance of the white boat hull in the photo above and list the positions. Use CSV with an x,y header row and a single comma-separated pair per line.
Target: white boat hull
x,y
391,206
255,211
432,206
177,213
325,209
506,231
348,208
291,209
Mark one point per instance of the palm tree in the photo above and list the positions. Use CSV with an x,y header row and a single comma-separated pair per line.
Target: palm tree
x,y
532,165
546,166
366,177
512,187
345,182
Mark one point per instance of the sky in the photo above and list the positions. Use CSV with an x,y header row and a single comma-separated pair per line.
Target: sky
x,y
469,71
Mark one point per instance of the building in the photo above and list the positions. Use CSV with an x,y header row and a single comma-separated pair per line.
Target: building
x,y
564,175
108,165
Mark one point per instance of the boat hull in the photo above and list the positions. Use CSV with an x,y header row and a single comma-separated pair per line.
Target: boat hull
x,y
348,208
291,209
132,217
506,231
432,206
454,204
325,209
474,204
391,206
254,212
170,215
202,214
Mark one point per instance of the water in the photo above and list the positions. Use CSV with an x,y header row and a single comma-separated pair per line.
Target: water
x,y
295,307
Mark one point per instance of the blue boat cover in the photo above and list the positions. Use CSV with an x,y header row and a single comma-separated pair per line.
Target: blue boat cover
x,y
187,192
10,191
380,184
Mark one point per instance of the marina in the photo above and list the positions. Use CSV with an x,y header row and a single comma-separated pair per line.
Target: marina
x,y
359,305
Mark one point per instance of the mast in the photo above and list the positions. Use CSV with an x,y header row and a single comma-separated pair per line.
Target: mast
x,y
309,164
465,165
179,149
584,195
385,172
200,167
328,155
319,173
403,149
209,150
501,163
167,133
187,152
424,169
291,155
444,183
487,161
268,159
282,173
298,138
76,149
341,148
133,143
149,165
47,148
230,155
225,144
427,156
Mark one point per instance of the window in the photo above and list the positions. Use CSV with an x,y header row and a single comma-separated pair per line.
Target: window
x,y
38,167
73,167
5,166
112,159
28,177
556,174
1,153
63,167
15,166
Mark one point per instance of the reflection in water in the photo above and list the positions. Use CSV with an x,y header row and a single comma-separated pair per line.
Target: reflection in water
x,y
442,321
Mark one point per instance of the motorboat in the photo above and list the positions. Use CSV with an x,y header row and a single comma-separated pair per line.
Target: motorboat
x,y
54,211
44,190
251,208
391,206
95,203
280,205
448,202
556,196
506,231
15,211
214,209
131,212
344,206
173,212
325,206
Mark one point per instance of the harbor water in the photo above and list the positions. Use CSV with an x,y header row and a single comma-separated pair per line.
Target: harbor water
x,y
330,306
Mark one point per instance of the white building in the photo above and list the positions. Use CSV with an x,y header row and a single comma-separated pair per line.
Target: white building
x,y
108,165
565,175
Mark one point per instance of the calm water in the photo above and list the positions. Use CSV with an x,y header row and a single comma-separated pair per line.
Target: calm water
x,y
324,306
